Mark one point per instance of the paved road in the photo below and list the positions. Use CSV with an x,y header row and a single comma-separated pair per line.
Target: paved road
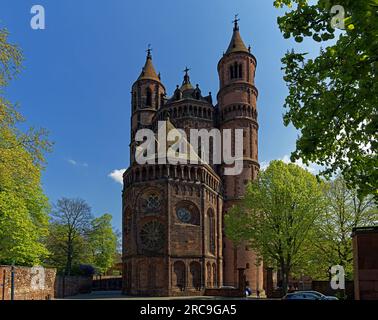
x,y
116,295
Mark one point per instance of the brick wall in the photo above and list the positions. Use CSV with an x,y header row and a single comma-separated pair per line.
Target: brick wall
x,y
66,286
26,283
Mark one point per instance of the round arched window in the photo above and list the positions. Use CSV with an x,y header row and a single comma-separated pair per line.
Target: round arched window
x,y
187,212
184,215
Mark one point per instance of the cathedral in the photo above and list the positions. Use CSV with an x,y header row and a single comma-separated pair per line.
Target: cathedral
x,y
173,232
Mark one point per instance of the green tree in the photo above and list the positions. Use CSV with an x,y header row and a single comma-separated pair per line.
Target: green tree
x,y
103,243
20,241
78,250
333,97
21,163
71,224
76,238
345,210
277,216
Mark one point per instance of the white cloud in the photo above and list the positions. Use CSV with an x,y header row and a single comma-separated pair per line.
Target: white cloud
x,y
117,175
77,164
312,167
73,162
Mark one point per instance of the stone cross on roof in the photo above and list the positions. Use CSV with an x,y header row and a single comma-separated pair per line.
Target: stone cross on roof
x,y
149,49
235,21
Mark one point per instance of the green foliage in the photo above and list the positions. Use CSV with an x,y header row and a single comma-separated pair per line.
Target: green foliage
x,y
22,200
333,98
103,243
277,215
10,59
298,224
76,238
61,248
19,235
333,242
71,223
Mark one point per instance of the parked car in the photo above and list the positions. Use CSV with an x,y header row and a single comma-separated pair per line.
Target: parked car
x,y
307,295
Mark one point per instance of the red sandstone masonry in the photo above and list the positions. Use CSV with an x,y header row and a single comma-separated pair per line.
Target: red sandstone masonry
x,y
54,286
190,257
23,289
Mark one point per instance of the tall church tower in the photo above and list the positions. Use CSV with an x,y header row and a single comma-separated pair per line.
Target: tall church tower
x,y
172,212
148,94
237,110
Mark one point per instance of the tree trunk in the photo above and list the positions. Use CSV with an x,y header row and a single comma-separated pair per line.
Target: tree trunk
x,y
69,260
285,272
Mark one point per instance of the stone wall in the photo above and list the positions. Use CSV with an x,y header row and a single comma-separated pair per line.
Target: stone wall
x,y
66,286
27,283
107,283
40,284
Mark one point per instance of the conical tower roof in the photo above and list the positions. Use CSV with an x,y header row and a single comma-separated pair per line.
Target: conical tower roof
x,y
237,43
148,71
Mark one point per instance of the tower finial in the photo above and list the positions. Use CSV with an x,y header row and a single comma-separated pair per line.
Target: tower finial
x,y
186,82
186,70
148,71
149,49
236,20
186,76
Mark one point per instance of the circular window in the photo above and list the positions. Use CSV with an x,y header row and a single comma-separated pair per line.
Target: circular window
x,y
152,236
184,215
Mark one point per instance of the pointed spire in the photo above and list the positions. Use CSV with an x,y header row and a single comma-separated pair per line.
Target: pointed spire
x,y
186,85
236,44
148,71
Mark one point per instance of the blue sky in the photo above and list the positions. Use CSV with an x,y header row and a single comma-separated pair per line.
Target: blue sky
x,y
78,74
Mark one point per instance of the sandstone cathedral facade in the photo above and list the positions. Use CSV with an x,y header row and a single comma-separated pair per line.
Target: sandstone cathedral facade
x,y
173,231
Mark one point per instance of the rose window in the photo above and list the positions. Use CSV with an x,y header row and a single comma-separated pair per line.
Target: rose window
x,y
152,236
